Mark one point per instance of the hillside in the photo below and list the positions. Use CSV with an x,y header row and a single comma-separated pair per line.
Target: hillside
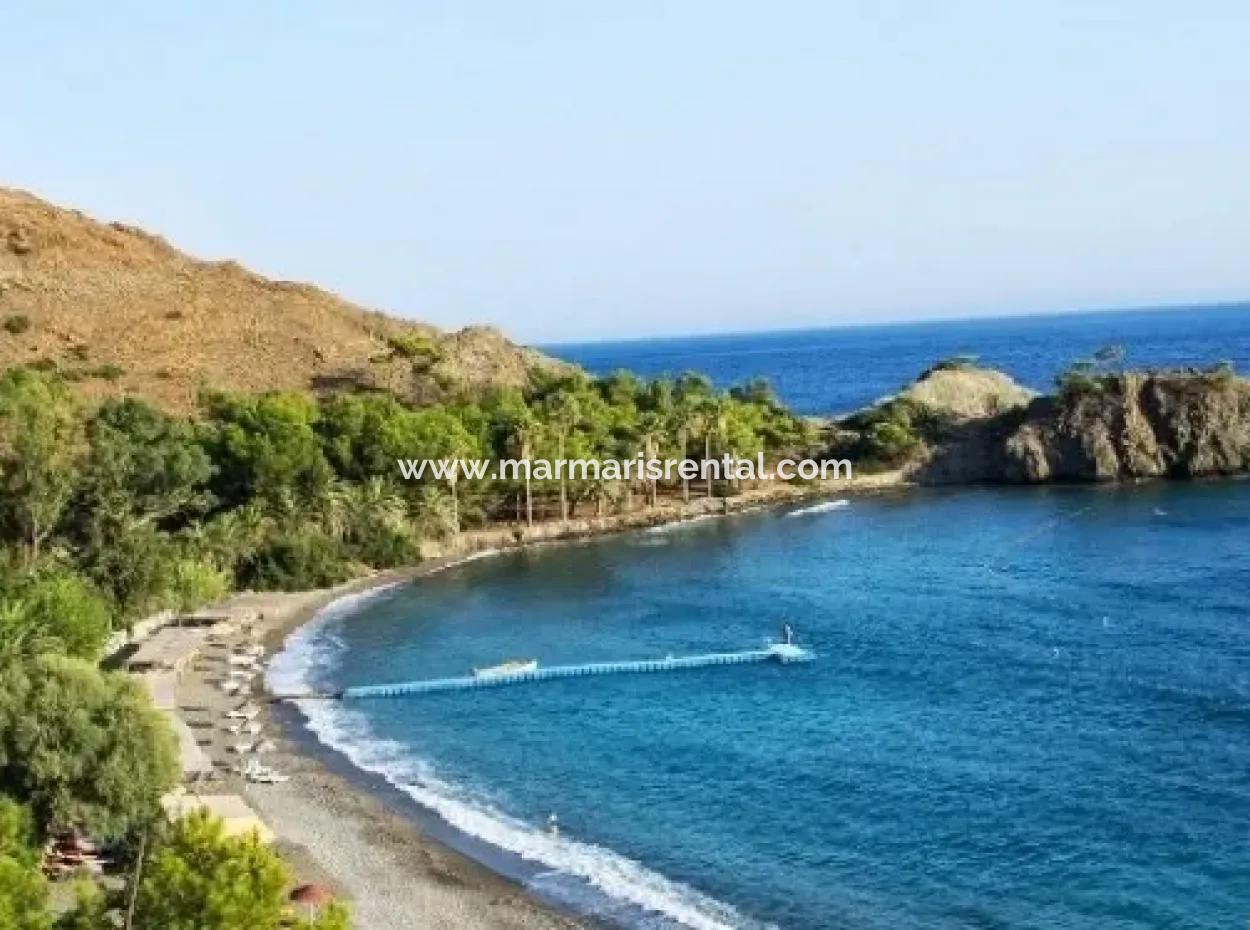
x,y
120,310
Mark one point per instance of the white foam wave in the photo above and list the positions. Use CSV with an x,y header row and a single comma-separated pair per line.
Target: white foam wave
x,y
680,524
823,507
314,647
619,878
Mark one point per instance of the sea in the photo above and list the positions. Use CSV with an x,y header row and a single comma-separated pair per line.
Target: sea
x,y
822,372
1029,707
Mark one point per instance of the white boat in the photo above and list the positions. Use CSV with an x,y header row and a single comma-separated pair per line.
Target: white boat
x,y
507,669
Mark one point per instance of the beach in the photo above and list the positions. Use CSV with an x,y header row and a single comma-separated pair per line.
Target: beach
x,y
333,832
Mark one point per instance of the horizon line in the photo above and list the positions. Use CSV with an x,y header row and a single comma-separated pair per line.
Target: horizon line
x,y
1228,304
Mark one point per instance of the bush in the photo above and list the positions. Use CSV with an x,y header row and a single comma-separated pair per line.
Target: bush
x,y
422,350
23,891
62,608
307,559
387,547
17,323
952,363
194,583
109,372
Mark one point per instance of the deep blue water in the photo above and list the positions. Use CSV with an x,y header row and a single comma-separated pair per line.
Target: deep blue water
x,y
1031,707
828,371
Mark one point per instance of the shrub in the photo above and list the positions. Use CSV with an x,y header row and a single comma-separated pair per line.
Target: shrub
x,y
387,547
422,350
17,323
194,583
952,363
306,559
109,372
62,608
23,891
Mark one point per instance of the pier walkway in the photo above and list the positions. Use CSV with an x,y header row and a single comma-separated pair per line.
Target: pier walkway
x,y
781,653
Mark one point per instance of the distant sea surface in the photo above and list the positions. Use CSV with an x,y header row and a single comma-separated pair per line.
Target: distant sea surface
x,y
1030,706
827,371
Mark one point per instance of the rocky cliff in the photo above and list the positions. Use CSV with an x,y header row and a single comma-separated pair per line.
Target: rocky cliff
x,y
970,425
1134,425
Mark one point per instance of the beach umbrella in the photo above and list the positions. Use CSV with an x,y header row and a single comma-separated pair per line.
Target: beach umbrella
x,y
312,897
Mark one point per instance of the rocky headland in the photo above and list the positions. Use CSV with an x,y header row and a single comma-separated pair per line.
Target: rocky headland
x,y
959,423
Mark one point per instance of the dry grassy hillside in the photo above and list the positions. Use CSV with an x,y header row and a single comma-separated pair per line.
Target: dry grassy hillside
x,y
120,310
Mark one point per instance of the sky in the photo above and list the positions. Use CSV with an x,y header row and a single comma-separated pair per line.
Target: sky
x,y
583,170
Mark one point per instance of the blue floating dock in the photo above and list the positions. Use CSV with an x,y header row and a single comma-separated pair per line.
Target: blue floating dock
x,y
780,652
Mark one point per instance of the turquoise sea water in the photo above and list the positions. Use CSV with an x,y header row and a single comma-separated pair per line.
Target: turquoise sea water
x,y
1031,709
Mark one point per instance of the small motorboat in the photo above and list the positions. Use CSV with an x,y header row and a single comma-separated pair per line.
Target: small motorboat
x,y
507,669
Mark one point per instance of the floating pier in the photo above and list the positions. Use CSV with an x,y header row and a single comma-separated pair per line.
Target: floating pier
x,y
780,652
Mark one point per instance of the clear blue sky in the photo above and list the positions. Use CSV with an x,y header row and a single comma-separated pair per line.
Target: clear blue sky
x,y
585,169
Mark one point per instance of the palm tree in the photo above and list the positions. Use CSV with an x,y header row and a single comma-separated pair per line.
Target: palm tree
x,y
691,394
435,514
650,435
563,412
371,503
719,410
524,432
691,421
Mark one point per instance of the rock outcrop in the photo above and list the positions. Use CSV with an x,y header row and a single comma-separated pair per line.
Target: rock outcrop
x,y
964,425
1134,425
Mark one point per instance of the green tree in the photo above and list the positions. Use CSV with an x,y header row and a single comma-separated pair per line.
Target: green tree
x,y
364,434
137,565
522,434
23,891
83,747
90,911
143,466
197,878
58,610
40,445
440,435
295,560
266,447
561,411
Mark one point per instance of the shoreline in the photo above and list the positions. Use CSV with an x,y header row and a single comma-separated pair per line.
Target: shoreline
x,y
397,864
336,825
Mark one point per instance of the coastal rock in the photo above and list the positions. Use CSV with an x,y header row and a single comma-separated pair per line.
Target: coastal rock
x,y
1113,427
961,424
1134,425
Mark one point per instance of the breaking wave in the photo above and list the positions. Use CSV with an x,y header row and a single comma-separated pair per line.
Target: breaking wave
x,y
823,507
591,878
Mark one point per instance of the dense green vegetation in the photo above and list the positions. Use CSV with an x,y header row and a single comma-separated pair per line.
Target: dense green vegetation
x,y
887,435
111,513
